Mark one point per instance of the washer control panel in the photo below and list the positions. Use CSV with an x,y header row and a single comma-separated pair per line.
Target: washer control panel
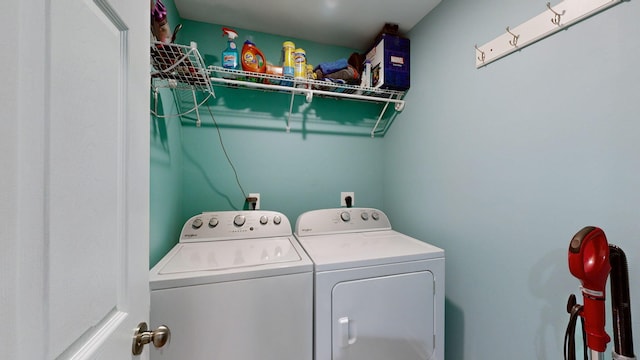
x,y
228,225
341,220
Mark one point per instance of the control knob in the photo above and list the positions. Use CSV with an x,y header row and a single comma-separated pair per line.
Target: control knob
x,y
197,223
239,220
345,216
264,220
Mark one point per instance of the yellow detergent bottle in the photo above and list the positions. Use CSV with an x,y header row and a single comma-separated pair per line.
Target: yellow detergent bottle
x,y
288,48
300,64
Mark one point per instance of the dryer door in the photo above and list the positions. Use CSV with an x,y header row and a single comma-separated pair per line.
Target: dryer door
x,y
382,318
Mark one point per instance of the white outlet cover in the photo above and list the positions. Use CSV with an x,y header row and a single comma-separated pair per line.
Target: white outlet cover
x,y
343,195
257,196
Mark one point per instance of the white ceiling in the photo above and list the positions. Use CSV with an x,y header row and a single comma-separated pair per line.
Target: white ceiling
x,y
349,23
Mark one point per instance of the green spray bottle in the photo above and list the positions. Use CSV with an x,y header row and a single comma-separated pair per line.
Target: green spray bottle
x,y
230,55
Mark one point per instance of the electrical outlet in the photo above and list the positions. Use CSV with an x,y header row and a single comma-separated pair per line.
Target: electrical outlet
x,y
257,201
343,196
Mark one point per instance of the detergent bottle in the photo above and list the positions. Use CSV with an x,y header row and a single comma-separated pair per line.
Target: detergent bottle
x,y
288,48
300,64
230,57
252,58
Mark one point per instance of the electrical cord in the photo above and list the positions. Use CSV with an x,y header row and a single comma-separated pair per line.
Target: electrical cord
x,y
224,150
162,116
574,310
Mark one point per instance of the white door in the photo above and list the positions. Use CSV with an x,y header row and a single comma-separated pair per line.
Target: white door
x,y
75,178
382,318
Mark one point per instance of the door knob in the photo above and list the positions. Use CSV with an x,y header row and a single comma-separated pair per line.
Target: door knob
x,y
143,336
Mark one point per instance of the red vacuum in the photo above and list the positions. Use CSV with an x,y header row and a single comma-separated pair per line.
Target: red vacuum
x,y
592,260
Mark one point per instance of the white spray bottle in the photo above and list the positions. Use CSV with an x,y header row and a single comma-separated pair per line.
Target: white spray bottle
x,y
230,55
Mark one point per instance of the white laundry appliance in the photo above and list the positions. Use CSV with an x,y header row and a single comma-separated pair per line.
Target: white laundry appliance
x,y
379,294
237,286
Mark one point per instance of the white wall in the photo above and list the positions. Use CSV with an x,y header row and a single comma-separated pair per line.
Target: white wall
x,y
502,165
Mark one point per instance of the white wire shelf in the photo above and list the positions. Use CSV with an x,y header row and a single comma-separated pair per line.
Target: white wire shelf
x,y
308,88
316,87
181,67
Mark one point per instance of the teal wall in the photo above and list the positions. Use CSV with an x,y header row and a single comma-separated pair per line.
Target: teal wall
x,y
165,179
294,172
329,149
502,165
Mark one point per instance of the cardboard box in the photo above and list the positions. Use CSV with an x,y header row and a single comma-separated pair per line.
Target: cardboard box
x,y
390,68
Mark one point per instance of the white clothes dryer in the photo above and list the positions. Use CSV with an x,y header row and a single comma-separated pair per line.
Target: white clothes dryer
x,y
379,294
237,286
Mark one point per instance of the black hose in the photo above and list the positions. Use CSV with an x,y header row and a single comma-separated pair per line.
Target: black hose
x,y
620,302
574,311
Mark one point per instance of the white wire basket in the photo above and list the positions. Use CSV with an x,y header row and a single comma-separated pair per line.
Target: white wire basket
x,y
178,66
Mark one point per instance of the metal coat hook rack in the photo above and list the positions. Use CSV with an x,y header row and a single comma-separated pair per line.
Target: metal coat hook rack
x,y
564,14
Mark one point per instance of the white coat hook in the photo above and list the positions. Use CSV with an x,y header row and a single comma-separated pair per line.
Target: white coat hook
x,y
514,41
481,57
556,15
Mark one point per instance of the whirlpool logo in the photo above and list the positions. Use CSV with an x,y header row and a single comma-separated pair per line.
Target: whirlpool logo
x,y
306,230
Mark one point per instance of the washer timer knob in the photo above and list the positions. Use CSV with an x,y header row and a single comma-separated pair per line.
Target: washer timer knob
x,y
213,222
375,215
365,216
277,219
197,223
239,220
345,216
264,220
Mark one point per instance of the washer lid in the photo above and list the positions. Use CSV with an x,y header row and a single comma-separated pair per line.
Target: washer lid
x,y
216,261
229,254
343,251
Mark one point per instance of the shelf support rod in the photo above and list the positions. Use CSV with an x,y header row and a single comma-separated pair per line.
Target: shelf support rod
x,y
195,106
288,128
375,127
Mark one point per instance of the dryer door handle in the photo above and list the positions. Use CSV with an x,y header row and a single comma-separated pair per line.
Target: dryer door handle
x,y
347,331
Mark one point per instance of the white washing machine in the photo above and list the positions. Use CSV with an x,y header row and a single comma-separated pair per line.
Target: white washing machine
x,y
379,294
238,286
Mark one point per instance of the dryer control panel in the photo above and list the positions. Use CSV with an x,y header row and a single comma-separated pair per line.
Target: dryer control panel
x,y
229,225
341,220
